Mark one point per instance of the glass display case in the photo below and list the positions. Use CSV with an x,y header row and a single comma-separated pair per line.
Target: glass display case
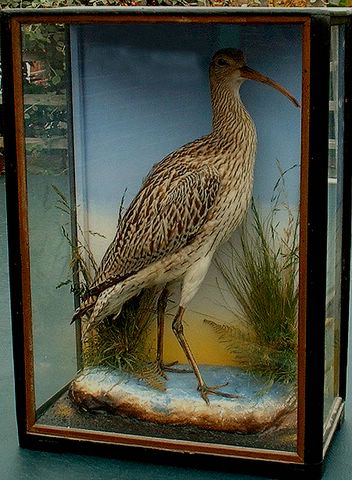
x,y
178,191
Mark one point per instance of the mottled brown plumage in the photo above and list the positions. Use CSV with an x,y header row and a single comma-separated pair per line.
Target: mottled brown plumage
x,y
188,205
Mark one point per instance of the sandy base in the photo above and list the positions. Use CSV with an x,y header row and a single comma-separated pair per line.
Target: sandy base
x,y
255,409
254,427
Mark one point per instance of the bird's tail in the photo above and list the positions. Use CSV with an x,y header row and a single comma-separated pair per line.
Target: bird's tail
x,y
109,302
84,308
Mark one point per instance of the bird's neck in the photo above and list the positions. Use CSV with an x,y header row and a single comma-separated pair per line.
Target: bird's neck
x,y
228,110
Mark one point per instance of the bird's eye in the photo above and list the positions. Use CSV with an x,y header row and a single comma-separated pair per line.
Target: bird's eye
x,y
222,62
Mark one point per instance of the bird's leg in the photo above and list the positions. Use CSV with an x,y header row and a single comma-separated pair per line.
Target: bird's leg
x,y
203,388
161,307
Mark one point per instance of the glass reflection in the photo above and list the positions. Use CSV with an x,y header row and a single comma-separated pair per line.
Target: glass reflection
x,y
48,186
335,181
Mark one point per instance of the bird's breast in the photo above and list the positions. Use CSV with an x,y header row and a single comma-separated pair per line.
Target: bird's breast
x,y
234,196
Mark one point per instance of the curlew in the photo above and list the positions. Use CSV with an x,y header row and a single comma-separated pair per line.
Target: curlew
x,y
188,205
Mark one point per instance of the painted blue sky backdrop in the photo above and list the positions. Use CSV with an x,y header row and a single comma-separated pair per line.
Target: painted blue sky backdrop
x,y
141,91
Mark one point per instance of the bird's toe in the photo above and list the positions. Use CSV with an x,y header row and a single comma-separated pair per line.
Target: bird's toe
x,y
206,390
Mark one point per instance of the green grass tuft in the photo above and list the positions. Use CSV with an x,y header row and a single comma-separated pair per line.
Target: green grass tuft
x,y
261,274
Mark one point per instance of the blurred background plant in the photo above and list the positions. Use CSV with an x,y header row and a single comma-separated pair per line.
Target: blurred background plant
x,y
111,3
45,84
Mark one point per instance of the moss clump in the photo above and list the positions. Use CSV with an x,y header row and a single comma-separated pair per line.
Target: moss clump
x,y
122,343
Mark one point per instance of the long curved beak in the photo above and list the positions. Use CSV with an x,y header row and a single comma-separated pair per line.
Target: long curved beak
x,y
251,74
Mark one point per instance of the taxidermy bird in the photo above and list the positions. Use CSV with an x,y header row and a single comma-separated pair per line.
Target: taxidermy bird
x,y
188,205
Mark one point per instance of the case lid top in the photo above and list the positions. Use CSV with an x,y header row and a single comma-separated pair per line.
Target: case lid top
x,y
184,10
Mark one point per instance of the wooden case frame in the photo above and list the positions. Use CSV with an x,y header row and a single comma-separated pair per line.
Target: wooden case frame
x,y
312,440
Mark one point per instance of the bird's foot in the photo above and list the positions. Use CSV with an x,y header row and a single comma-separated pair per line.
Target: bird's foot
x,y
171,367
204,391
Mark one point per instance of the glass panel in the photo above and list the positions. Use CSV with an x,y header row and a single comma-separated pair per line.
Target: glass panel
x,y
2,158
48,182
335,181
138,93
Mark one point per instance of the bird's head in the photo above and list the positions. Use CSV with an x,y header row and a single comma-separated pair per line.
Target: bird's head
x,y
228,67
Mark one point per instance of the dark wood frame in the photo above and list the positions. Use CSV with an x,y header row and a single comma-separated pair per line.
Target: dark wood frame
x,y
313,219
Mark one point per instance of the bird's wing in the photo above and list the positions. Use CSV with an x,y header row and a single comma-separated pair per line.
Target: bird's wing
x,y
167,213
